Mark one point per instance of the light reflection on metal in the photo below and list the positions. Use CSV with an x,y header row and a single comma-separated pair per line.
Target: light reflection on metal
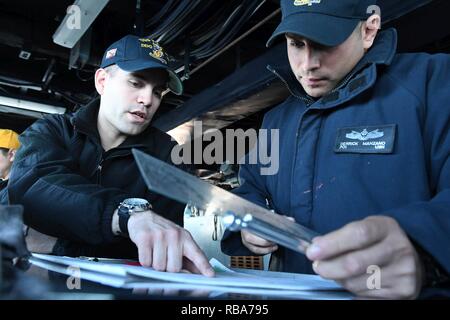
x,y
176,184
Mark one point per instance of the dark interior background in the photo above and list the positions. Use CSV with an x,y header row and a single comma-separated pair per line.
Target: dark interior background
x,y
233,90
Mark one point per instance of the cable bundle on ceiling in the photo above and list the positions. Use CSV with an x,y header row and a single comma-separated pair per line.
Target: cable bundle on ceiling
x,y
175,20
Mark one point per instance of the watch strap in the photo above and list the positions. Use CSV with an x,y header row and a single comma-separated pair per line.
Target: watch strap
x,y
124,215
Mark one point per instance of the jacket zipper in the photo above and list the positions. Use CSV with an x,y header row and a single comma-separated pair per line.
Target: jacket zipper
x,y
99,170
310,101
101,163
306,100
344,82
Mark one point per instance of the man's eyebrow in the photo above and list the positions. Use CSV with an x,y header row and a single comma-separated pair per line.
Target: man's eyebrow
x,y
294,36
162,84
300,38
138,76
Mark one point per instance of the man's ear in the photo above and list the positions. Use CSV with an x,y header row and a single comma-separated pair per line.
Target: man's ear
x,y
11,154
370,30
100,79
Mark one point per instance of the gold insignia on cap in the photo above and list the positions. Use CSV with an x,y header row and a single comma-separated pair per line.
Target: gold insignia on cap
x,y
156,51
306,2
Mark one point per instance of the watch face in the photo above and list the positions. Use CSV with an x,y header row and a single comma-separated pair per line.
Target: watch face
x,y
137,203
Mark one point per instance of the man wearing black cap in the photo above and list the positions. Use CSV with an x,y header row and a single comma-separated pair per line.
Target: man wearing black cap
x,y
77,179
365,151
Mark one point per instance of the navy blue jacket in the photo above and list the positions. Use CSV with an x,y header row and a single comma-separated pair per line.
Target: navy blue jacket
x,y
378,145
69,186
3,194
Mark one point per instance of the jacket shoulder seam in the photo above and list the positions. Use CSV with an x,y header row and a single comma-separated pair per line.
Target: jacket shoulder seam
x,y
399,83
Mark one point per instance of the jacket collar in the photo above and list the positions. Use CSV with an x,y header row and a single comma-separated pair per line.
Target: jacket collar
x,y
361,78
85,121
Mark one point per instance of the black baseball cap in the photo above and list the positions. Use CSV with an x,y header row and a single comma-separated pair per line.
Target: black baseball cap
x,y
132,54
327,22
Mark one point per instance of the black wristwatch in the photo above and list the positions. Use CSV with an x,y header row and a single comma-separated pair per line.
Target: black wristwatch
x,y
435,275
127,208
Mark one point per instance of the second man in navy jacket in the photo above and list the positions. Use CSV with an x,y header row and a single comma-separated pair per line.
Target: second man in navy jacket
x,y
365,153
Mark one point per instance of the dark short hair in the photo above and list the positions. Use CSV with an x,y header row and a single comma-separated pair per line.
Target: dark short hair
x,y
4,151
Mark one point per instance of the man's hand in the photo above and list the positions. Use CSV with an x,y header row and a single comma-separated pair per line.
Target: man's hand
x,y
257,244
165,246
345,255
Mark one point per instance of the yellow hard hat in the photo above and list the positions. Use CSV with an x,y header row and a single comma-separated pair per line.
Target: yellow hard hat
x,y
9,139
